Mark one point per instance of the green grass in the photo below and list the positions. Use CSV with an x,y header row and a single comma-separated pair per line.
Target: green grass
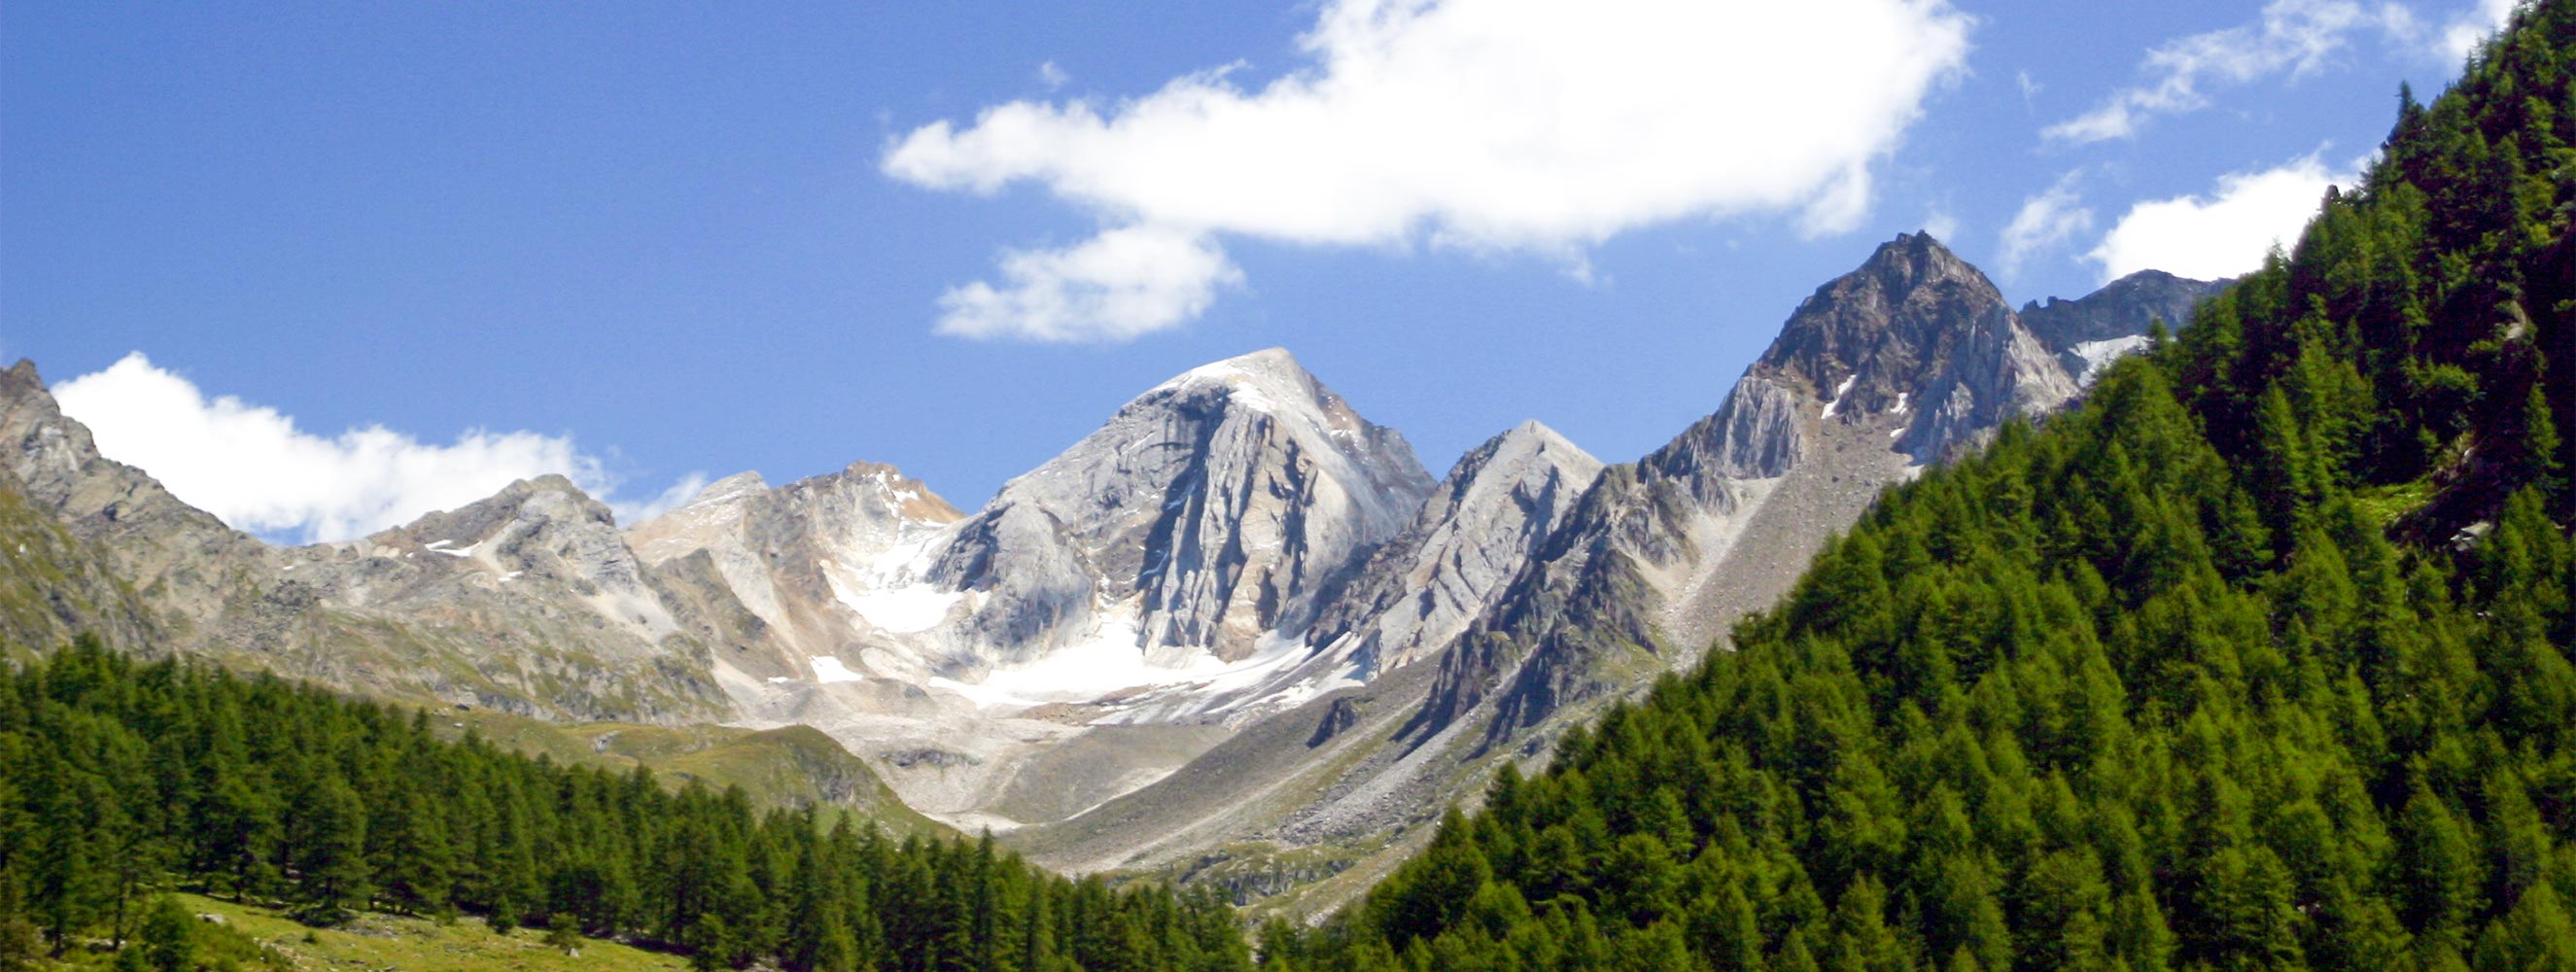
x,y
2385,504
251,937
785,767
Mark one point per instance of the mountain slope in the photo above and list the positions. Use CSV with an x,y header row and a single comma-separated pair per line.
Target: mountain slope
x,y
1493,513
2256,659
1100,621
820,562
1635,575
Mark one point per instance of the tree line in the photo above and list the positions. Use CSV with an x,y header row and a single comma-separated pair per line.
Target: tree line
x,y
120,779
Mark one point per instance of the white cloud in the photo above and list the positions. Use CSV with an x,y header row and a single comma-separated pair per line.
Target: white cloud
x,y
2293,37
1114,286
1052,76
1491,125
1941,223
2223,234
2044,221
252,468
2471,28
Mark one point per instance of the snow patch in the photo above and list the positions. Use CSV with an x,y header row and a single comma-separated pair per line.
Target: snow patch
x,y
1901,401
828,669
1109,663
446,547
910,609
886,592
1836,405
2099,354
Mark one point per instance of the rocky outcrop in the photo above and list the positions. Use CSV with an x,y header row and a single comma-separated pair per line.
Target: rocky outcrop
x,y
2090,331
1478,530
181,560
1207,512
829,564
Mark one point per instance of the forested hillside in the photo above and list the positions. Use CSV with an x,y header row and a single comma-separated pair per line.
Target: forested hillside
x,y
2256,660
119,779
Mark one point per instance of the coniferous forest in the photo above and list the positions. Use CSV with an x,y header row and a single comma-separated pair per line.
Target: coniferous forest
x,y
2256,659
120,779
2259,659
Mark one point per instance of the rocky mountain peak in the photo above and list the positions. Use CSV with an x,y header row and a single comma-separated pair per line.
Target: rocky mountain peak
x,y
1206,512
1900,310
729,489
2090,331
1498,506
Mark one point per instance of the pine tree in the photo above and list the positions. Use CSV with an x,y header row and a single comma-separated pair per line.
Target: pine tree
x,y
168,941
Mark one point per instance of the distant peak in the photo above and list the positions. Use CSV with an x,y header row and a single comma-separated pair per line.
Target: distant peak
x,y
1262,380
550,483
24,373
1538,437
1916,255
1265,363
730,488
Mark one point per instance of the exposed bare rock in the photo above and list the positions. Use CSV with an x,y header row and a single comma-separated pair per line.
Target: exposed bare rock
x,y
2090,331
1478,530
1214,507
827,563
527,601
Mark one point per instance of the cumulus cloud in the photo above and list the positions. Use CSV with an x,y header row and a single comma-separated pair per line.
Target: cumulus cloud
x,y
2044,221
2224,233
1117,285
2291,37
251,467
2466,32
1489,125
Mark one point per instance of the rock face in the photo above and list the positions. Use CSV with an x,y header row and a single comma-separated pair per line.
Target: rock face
x,y
528,601
2090,331
1218,504
823,563
1478,530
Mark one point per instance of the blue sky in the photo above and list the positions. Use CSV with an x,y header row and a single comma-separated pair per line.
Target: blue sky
x,y
426,247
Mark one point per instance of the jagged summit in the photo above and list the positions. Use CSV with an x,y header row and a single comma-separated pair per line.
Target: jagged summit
x,y
1208,510
2088,332
1492,513
1910,298
729,489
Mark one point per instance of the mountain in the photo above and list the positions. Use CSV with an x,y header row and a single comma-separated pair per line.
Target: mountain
x,y
1485,522
1911,358
528,603
2257,657
2087,333
1210,511
1096,624
1237,619
816,562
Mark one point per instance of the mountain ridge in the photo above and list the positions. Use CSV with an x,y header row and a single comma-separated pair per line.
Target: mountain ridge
x,y
1236,574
